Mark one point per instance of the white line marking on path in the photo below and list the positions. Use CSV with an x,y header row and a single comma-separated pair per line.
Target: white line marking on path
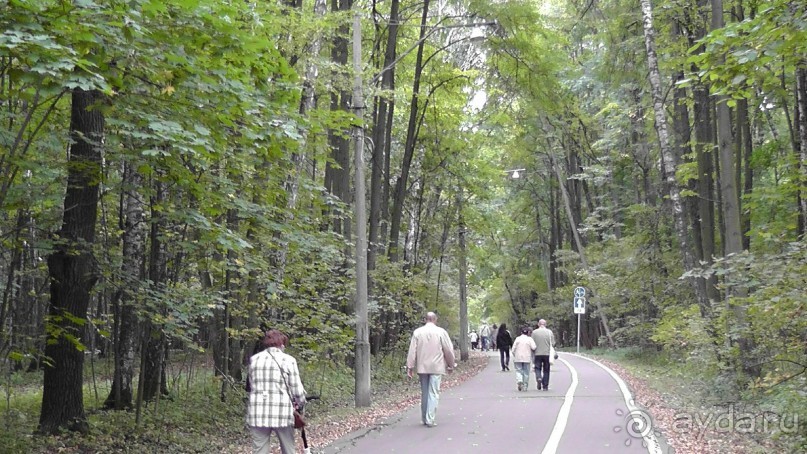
x,y
639,415
563,415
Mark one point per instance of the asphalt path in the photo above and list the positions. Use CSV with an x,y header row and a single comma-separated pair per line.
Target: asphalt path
x,y
587,409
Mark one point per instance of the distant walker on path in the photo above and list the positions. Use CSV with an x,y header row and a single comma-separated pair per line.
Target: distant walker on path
x,y
504,342
431,354
544,339
484,333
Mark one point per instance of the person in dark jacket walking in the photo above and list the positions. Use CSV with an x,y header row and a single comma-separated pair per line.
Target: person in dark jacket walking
x,y
504,341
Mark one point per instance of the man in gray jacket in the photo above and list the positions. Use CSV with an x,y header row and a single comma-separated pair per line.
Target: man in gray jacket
x,y
431,354
543,341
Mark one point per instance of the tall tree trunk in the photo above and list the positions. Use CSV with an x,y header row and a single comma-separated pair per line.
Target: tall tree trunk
x,y
337,173
555,238
682,133
705,185
731,212
574,191
704,145
544,255
233,321
153,356
385,198
745,173
307,104
801,119
133,271
71,270
11,290
409,145
384,109
667,152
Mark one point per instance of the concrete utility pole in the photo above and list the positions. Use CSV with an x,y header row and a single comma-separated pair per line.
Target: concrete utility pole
x,y
463,277
362,369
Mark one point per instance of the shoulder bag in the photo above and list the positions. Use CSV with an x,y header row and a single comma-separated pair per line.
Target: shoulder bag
x,y
299,422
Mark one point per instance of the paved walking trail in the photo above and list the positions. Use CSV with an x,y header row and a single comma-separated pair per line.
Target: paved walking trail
x,y
586,410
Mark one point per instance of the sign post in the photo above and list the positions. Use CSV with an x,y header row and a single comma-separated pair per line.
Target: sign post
x,y
579,309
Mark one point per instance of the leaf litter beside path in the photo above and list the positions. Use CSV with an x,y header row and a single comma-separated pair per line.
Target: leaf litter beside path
x,y
686,429
333,425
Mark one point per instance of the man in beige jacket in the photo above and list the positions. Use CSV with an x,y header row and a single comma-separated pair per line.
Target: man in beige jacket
x,y
431,354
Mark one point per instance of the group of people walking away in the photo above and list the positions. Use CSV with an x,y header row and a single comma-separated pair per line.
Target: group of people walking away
x,y
431,355
276,391
531,346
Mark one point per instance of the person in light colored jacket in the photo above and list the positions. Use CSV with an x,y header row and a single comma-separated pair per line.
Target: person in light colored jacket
x,y
275,391
484,334
431,355
523,351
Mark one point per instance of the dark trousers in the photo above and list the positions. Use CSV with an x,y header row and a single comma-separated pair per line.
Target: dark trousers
x,y
542,370
504,355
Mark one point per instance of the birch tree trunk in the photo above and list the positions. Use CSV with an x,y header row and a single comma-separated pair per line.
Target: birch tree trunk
x,y
667,152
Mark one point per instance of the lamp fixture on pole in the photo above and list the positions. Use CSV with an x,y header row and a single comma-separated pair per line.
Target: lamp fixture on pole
x,y
514,173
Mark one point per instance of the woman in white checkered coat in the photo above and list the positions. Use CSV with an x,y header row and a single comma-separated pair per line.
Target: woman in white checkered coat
x,y
275,390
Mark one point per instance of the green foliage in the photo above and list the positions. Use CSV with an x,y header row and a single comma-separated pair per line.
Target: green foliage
x,y
754,52
681,332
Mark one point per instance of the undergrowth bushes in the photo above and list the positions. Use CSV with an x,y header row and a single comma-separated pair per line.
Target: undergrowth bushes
x,y
193,418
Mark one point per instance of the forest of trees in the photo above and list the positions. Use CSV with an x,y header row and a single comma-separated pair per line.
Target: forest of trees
x,y
180,175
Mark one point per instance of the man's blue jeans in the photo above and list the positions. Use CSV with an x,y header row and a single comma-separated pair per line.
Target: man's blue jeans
x,y
429,396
